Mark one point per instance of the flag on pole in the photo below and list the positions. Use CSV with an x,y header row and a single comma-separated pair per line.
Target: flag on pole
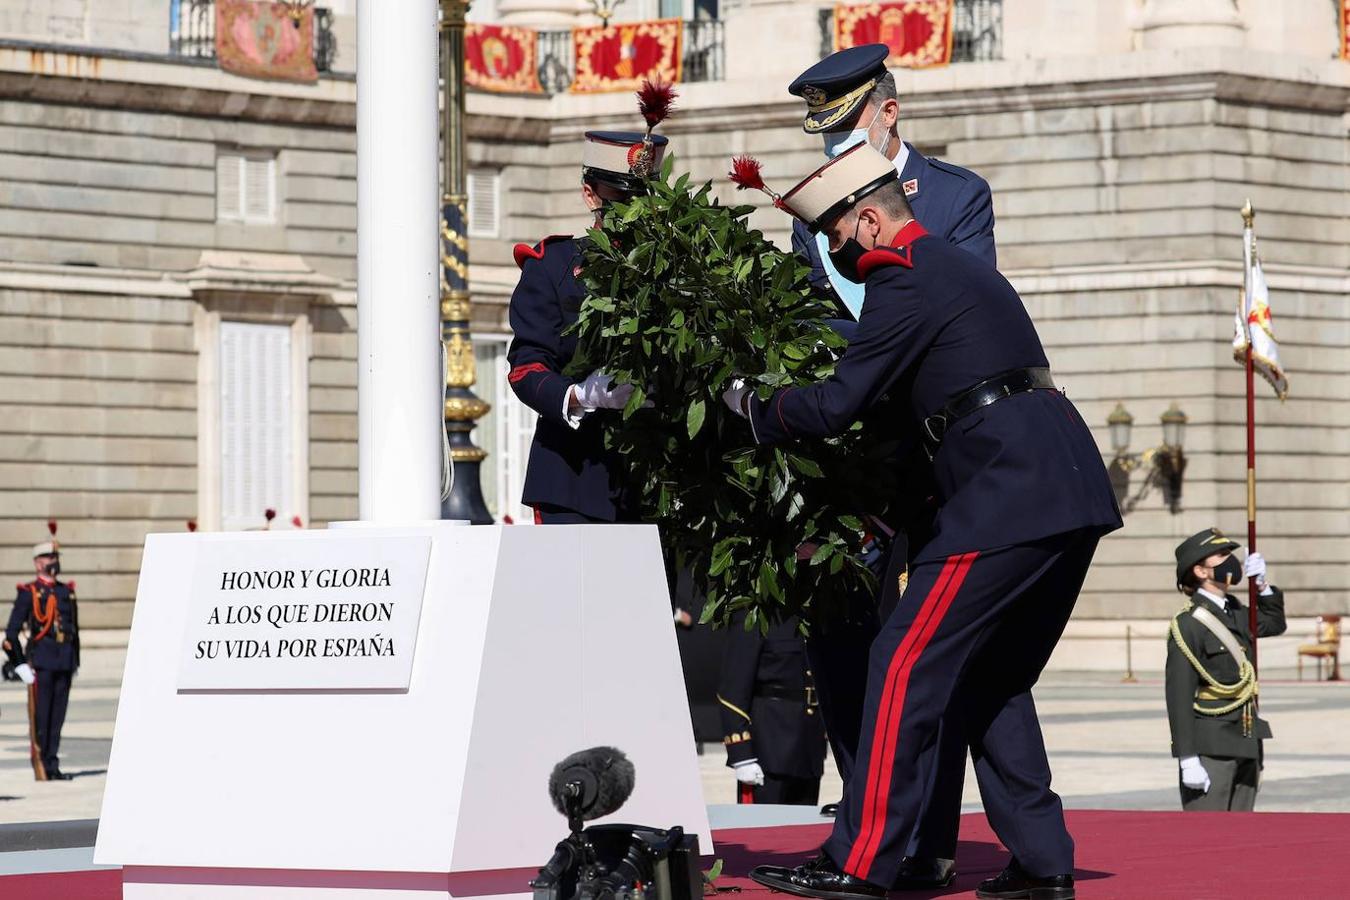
x,y
1252,322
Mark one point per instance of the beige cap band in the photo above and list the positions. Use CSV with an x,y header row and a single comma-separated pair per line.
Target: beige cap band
x,y
837,185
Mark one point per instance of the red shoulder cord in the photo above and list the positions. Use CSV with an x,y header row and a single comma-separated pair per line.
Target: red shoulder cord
x,y
46,620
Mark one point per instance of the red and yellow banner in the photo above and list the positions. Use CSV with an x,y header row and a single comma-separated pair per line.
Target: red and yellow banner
x,y
502,58
919,32
621,56
265,40
1345,29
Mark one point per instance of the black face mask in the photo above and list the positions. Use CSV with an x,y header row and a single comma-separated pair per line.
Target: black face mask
x,y
53,568
1228,572
846,258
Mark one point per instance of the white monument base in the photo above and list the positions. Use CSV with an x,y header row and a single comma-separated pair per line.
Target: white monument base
x,y
532,643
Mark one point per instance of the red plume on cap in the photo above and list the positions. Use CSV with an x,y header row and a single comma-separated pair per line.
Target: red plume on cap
x,y
655,101
269,514
51,527
745,173
192,524
295,520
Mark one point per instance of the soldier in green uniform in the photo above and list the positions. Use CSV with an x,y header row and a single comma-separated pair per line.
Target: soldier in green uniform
x,y
1211,685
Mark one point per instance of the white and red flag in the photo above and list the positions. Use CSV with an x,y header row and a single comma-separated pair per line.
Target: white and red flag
x,y
1252,322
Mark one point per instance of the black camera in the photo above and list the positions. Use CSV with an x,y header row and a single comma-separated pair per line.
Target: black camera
x,y
625,862
612,862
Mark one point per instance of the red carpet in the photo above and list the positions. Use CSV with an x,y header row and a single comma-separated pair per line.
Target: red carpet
x,y
1131,855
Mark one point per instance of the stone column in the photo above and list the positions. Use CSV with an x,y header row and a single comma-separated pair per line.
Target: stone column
x,y
1191,23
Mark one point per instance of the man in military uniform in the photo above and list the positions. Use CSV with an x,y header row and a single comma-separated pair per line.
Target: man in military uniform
x,y
47,608
571,477
1022,501
851,99
772,728
1211,685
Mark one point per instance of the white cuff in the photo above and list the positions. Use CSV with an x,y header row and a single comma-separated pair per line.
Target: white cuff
x,y
1188,761
573,419
745,762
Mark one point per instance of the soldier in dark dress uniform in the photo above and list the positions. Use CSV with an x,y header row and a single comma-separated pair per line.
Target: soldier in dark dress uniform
x,y
772,729
47,608
571,478
851,99
1210,683
945,345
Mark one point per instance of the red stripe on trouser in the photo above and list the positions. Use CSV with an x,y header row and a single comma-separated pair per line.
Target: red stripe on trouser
x,y
747,794
538,516
885,737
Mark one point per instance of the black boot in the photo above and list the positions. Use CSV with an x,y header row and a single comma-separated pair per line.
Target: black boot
x,y
819,878
1014,884
924,873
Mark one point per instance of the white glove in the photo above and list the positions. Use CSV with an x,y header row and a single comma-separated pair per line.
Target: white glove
x,y
599,392
734,397
1193,774
1254,566
25,673
749,772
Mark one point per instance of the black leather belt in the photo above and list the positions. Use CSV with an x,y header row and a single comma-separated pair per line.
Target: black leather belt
x,y
991,390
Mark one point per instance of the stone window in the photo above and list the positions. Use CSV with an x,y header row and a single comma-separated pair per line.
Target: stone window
x,y
257,411
246,187
484,203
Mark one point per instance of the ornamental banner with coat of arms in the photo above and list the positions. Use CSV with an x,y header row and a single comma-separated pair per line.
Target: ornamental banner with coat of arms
x,y
1345,29
501,58
621,56
265,40
919,32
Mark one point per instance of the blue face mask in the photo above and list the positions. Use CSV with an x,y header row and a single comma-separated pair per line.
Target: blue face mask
x,y
850,292
837,142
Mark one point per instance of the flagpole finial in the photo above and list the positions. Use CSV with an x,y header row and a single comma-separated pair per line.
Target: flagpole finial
x,y
1248,214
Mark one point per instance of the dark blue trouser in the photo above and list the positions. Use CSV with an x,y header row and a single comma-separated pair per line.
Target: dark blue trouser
x,y
50,697
839,670
558,515
968,639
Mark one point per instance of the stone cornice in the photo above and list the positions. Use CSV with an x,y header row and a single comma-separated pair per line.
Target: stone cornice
x,y
89,77
494,283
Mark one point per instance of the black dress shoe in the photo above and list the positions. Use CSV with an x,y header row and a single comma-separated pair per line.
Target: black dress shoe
x,y
922,873
829,809
1014,884
818,878
58,775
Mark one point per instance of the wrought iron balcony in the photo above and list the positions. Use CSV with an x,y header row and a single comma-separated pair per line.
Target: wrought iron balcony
x,y
192,32
977,31
703,55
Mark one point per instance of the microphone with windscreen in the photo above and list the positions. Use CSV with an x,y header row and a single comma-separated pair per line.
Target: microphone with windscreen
x,y
591,784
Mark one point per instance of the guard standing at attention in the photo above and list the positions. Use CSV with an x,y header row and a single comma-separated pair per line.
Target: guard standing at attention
x,y
1210,683
51,657
851,99
571,478
771,722
945,347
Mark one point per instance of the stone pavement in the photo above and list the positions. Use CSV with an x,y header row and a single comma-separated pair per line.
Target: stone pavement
x,y
1108,741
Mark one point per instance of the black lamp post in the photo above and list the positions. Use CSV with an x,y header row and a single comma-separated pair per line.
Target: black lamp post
x,y
1165,463
462,407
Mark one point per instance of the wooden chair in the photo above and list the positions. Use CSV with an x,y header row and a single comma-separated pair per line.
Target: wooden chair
x,y
1326,646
